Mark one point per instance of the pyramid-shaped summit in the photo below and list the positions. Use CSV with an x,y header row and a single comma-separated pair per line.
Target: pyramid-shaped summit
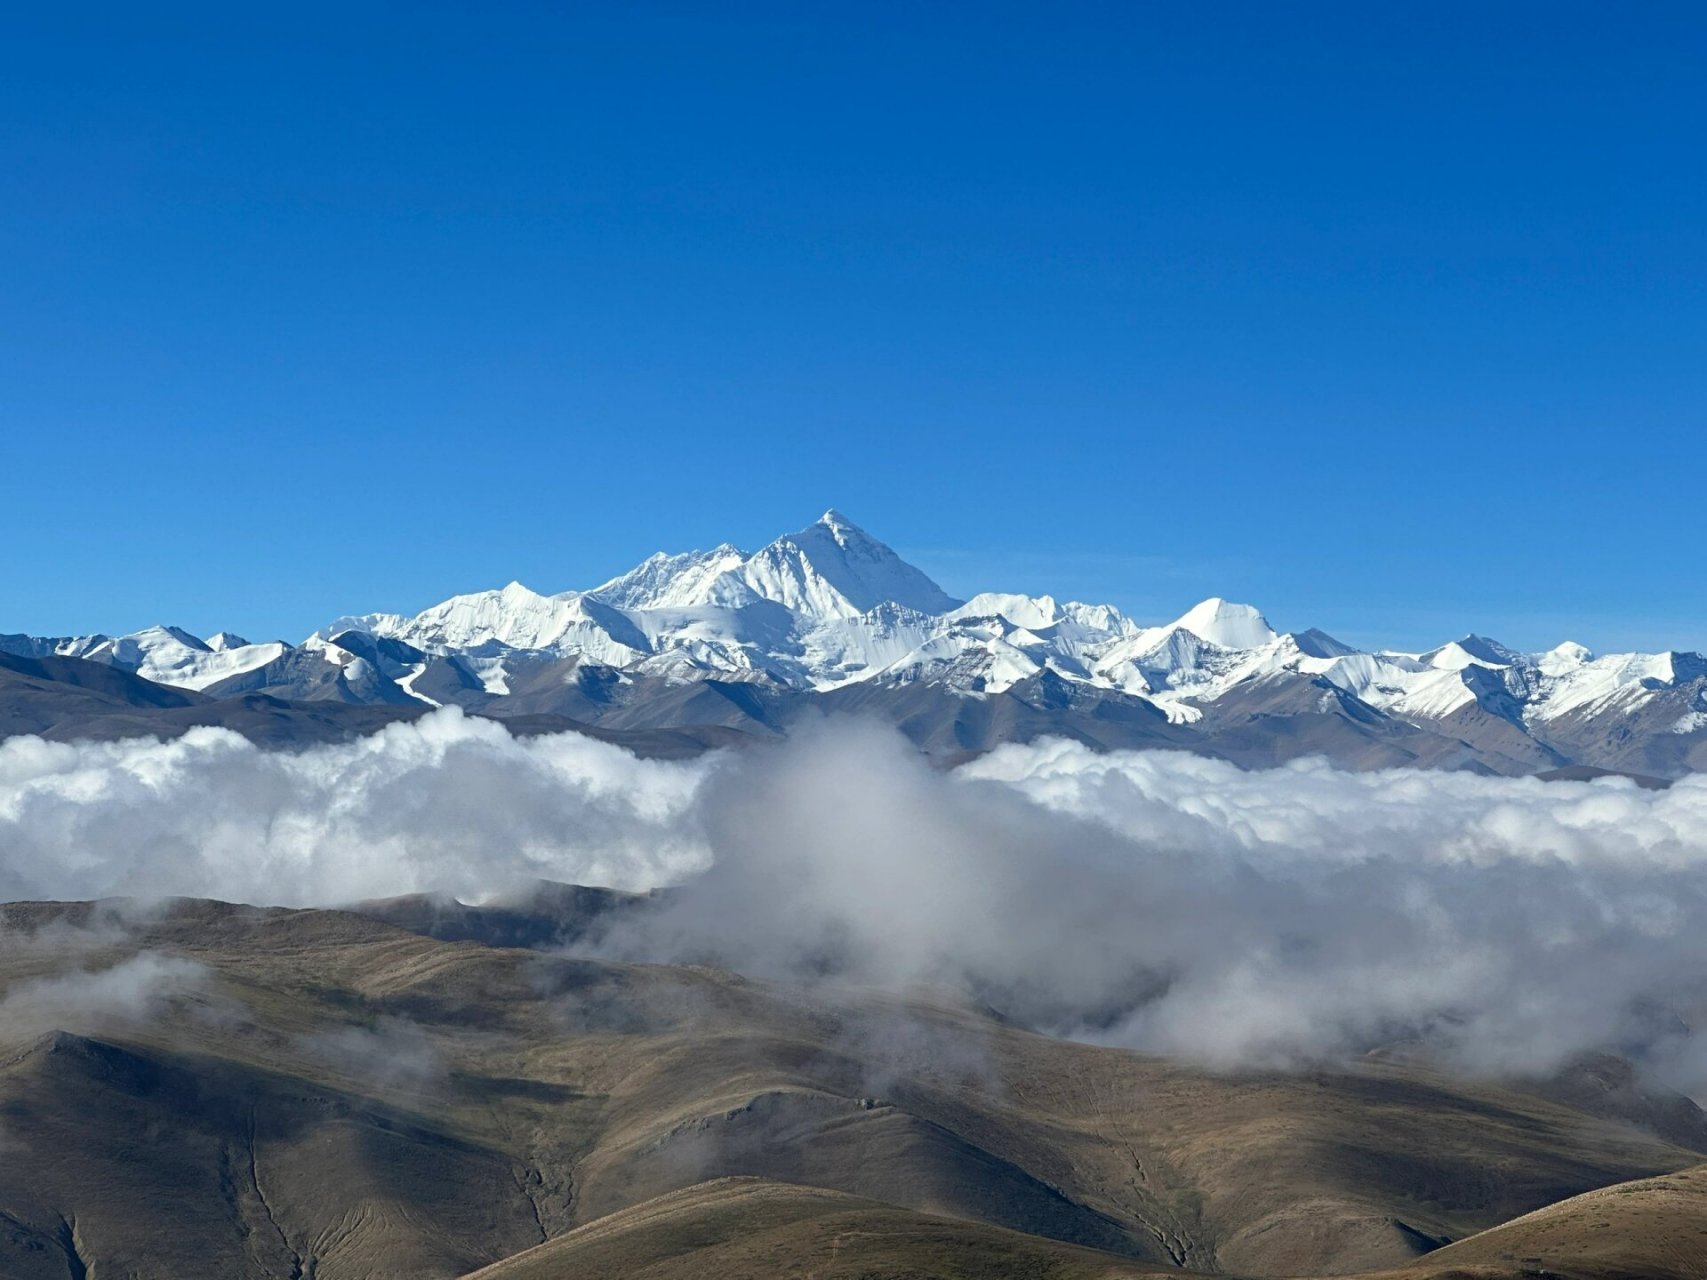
x,y
830,569
834,568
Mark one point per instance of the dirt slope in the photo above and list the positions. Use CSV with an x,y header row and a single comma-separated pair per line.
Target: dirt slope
x,y
218,1090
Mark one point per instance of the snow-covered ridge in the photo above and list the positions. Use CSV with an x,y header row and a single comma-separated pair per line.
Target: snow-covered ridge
x,y
830,606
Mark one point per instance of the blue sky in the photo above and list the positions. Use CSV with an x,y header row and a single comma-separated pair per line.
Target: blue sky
x,y
1390,319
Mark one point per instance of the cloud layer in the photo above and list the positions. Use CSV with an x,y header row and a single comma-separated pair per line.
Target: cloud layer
x,y
448,802
1157,900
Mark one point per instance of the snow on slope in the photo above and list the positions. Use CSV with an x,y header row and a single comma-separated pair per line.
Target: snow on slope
x,y
681,581
812,609
162,655
836,569
165,655
830,606
1227,626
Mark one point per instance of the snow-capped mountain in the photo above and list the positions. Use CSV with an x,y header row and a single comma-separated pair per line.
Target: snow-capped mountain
x,y
831,615
165,655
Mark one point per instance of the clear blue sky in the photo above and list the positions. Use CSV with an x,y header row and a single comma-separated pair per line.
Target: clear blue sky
x,y
1391,319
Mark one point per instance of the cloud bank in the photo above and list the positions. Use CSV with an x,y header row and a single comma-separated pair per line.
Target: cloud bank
x,y
449,802
1156,900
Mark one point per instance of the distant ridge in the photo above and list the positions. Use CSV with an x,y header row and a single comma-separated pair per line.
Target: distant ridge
x,y
829,616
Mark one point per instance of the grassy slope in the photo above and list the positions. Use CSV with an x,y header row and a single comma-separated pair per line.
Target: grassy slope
x,y
1651,1229
347,1094
749,1229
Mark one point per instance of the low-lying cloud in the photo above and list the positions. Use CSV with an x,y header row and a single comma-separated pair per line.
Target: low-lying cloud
x,y
1157,900
394,1054
130,992
449,802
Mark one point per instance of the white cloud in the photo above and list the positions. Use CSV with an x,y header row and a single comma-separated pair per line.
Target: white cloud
x,y
448,802
93,1000
1157,900
393,1054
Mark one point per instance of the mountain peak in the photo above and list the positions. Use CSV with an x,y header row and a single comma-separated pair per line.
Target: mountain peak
x,y
678,580
835,568
1317,643
152,637
1486,649
845,532
1226,624
1471,650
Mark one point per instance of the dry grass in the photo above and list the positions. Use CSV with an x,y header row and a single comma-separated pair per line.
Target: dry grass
x,y
348,1098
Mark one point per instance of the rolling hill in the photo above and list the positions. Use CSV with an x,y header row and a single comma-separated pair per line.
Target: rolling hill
x,y
202,1088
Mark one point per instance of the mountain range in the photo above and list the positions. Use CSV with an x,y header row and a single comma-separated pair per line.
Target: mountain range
x,y
702,645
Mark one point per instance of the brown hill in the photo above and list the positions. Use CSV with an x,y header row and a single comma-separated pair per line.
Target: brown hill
x,y
752,1229
206,1089
1651,1229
